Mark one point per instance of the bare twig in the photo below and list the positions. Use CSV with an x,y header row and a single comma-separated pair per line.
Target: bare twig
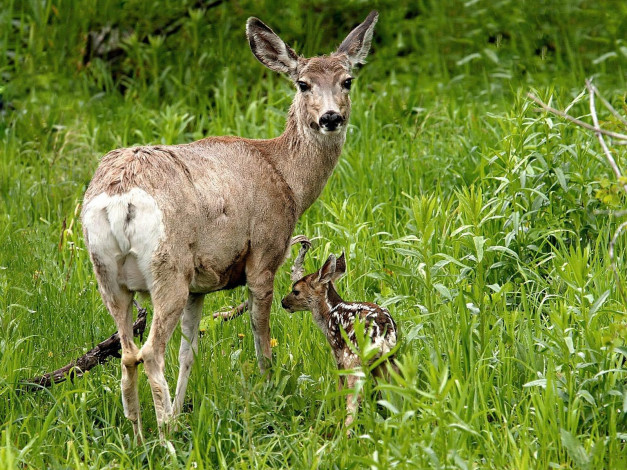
x,y
95,356
608,155
606,150
546,107
606,103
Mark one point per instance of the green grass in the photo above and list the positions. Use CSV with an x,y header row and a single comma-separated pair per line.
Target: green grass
x,y
479,222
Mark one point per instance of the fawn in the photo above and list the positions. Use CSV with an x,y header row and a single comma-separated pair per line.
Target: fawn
x,y
315,292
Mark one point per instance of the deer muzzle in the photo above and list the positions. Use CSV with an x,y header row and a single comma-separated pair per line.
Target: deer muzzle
x,y
330,122
286,305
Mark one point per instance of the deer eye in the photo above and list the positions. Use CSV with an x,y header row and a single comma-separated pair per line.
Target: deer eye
x,y
303,86
347,83
296,292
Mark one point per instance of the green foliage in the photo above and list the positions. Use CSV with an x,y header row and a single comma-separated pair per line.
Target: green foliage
x,y
480,223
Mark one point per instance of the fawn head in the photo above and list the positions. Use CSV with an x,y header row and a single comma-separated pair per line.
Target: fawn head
x,y
312,289
322,104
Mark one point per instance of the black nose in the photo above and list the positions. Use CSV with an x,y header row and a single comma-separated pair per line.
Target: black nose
x,y
331,120
283,304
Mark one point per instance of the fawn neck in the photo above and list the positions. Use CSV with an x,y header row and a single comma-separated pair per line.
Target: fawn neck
x,y
322,310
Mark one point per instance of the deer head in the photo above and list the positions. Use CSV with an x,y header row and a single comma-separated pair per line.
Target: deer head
x,y
322,104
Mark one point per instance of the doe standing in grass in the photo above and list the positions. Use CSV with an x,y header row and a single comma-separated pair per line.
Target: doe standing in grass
x,y
180,221
316,293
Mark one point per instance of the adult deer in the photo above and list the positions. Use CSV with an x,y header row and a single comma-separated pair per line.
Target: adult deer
x,y
181,221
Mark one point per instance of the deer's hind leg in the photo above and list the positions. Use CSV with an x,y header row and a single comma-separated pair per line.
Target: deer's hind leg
x,y
189,347
106,257
169,293
119,303
352,400
350,361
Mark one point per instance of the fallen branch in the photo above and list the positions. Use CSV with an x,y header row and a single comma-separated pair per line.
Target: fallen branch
x,y
95,356
233,313
619,230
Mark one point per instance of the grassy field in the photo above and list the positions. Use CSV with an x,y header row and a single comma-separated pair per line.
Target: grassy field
x,y
482,224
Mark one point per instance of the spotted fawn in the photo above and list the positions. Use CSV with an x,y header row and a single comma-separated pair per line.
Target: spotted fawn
x,y
316,293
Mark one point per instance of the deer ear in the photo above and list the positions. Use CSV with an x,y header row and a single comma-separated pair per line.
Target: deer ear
x,y
357,44
270,49
327,270
340,267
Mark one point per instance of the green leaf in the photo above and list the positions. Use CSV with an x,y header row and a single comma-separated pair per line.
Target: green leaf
x,y
490,54
536,383
389,406
599,302
479,242
449,259
443,290
505,250
585,394
413,333
468,58
561,178
575,449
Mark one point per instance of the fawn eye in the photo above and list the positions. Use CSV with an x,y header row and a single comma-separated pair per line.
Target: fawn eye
x,y
296,293
302,86
347,83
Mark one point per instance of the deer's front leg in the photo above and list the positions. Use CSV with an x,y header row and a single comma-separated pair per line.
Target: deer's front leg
x,y
260,290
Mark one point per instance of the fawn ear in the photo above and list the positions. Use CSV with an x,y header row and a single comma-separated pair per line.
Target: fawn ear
x,y
357,44
340,267
270,49
327,270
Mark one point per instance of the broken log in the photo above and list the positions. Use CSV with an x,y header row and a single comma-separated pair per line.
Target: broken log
x,y
95,356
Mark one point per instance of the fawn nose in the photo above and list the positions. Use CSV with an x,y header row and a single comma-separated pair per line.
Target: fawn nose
x,y
330,121
286,306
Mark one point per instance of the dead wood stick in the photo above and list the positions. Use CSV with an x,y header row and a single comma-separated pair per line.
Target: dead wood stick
x,y
233,313
97,355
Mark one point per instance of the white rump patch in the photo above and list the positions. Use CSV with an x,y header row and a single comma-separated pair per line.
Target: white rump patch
x,y
123,233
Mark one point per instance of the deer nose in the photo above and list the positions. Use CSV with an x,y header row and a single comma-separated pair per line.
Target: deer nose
x,y
331,120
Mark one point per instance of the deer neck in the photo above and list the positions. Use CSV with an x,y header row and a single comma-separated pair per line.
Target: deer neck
x,y
307,158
